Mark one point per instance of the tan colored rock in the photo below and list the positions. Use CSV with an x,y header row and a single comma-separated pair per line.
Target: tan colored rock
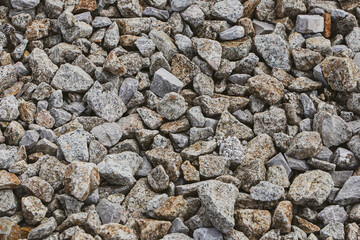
x,y
8,180
81,179
33,210
191,174
305,225
85,5
9,230
282,216
37,29
174,206
153,229
39,188
112,231
253,223
267,88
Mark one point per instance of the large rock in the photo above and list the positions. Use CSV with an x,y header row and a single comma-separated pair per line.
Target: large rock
x,y
164,82
9,108
230,10
119,169
309,24
105,103
81,179
70,78
349,193
274,49
253,223
7,77
218,199
74,146
311,188
209,50
267,88
342,74
305,145
333,129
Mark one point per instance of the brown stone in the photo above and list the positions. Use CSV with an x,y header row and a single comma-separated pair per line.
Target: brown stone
x,y
327,25
113,231
37,29
44,119
153,229
128,40
267,88
174,207
8,180
13,90
246,23
283,216
184,69
305,225
39,188
24,231
253,223
85,5
176,126
191,174
9,230
249,8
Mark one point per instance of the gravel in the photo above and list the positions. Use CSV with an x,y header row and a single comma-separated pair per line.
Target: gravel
x,y
179,119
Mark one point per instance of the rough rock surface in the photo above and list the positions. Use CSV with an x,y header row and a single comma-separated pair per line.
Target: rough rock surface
x,y
180,119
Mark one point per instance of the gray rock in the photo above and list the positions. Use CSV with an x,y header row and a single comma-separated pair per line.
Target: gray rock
x,y
130,8
145,45
207,234
128,89
279,159
262,27
178,226
274,49
100,22
9,108
73,146
180,5
220,212
266,191
184,44
158,179
109,212
33,210
333,214
266,88
334,231
119,169
309,24
353,39
195,116
71,29
162,15
8,202
70,78
203,84
61,116
230,10
24,4
7,77
348,194
344,158
311,188
29,139
105,103
172,106
277,175
155,203
163,43
209,50
164,82
270,122
194,16
108,134
308,105
112,36
45,228
333,129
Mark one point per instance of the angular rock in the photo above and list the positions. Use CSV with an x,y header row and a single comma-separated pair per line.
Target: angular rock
x,y
108,134
209,50
73,146
267,88
305,144
266,191
164,82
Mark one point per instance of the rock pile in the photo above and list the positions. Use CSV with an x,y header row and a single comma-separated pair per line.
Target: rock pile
x,y
180,119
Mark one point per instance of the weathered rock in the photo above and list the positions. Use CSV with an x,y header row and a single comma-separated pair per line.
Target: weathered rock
x,y
267,88
108,134
304,145
311,188
33,210
109,212
120,168
39,188
266,191
172,106
282,216
170,160
81,179
309,24
209,50
230,10
73,146
220,212
9,108
253,223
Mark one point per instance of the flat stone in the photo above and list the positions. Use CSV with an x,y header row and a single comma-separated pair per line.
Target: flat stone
x,y
311,188
282,216
333,230
153,229
207,233
119,169
262,27
46,227
309,24
73,146
232,33
348,194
